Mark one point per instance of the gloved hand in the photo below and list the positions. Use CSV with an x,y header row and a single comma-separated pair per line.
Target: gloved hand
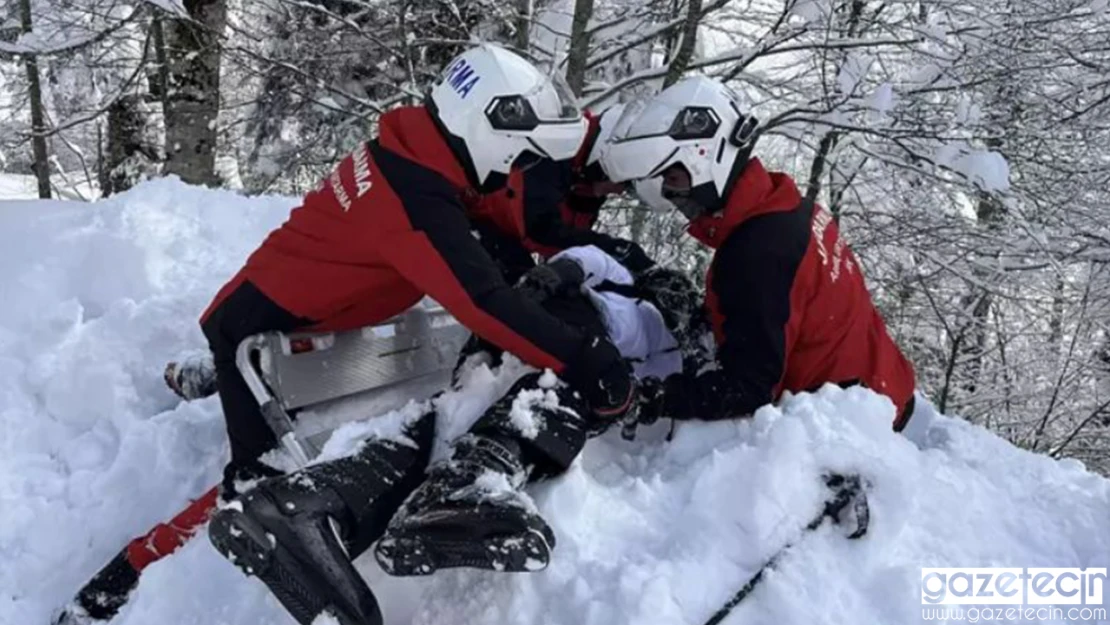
x,y
677,298
651,401
559,276
604,379
657,398
664,398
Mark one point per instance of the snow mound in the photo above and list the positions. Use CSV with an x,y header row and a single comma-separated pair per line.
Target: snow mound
x,y
94,450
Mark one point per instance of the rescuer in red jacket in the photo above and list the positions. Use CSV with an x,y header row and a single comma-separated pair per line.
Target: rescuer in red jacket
x,y
786,298
388,227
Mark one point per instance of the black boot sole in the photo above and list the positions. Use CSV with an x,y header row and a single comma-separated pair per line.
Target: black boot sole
x,y
248,545
417,554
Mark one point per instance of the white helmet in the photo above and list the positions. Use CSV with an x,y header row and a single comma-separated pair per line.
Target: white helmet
x,y
496,107
697,123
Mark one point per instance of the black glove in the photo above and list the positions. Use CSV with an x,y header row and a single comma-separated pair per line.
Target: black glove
x,y
557,277
604,379
651,400
677,298
657,398
667,398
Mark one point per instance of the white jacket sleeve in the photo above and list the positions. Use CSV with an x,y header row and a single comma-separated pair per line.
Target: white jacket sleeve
x,y
597,265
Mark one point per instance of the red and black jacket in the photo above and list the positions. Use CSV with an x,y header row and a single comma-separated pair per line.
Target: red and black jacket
x,y
788,304
388,227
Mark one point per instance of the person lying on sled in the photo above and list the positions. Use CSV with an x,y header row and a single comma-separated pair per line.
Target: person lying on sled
x,y
299,533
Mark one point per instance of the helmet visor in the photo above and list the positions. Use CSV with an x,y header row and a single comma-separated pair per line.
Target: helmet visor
x,y
644,118
553,100
635,159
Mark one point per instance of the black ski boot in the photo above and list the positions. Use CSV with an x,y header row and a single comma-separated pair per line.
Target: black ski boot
x,y
283,532
470,512
299,533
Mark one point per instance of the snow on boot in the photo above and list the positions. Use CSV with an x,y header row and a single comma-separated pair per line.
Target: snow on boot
x,y
192,377
470,512
103,596
299,533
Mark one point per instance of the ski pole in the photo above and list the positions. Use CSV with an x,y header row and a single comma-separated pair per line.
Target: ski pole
x,y
847,490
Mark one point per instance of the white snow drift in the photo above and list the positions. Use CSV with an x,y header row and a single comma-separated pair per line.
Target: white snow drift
x,y
94,450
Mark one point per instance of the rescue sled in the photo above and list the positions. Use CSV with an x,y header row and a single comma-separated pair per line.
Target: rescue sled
x,y
408,357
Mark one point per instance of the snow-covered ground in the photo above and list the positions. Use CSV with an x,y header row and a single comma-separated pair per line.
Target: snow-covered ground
x,y
94,450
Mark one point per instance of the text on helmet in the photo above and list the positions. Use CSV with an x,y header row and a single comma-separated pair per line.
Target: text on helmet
x,y
461,77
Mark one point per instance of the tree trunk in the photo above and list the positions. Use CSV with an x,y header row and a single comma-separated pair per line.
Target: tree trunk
x,y
159,80
128,155
685,52
1056,321
41,166
579,45
192,99
813,186
523,24
832,137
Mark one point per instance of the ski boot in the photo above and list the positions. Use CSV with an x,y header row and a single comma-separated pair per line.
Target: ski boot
x,y
299,533
470,512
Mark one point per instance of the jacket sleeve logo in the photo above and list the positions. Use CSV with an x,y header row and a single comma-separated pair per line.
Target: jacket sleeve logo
x,y
360,164
821,220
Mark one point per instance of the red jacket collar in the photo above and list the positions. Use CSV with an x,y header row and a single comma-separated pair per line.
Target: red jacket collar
x,y
410,132
756,192
592,131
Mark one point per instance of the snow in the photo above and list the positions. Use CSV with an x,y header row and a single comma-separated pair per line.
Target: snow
x,y
325,618
882,100
852,71
987,169
94,450
809,10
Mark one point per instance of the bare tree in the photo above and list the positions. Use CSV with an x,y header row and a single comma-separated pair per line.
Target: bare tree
x,y
41,164
579,45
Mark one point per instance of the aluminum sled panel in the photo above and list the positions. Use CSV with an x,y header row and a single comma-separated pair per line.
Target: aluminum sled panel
x,y
305,369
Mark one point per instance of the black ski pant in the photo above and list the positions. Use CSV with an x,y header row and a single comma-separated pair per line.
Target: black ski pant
x,y
246,311
375,482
